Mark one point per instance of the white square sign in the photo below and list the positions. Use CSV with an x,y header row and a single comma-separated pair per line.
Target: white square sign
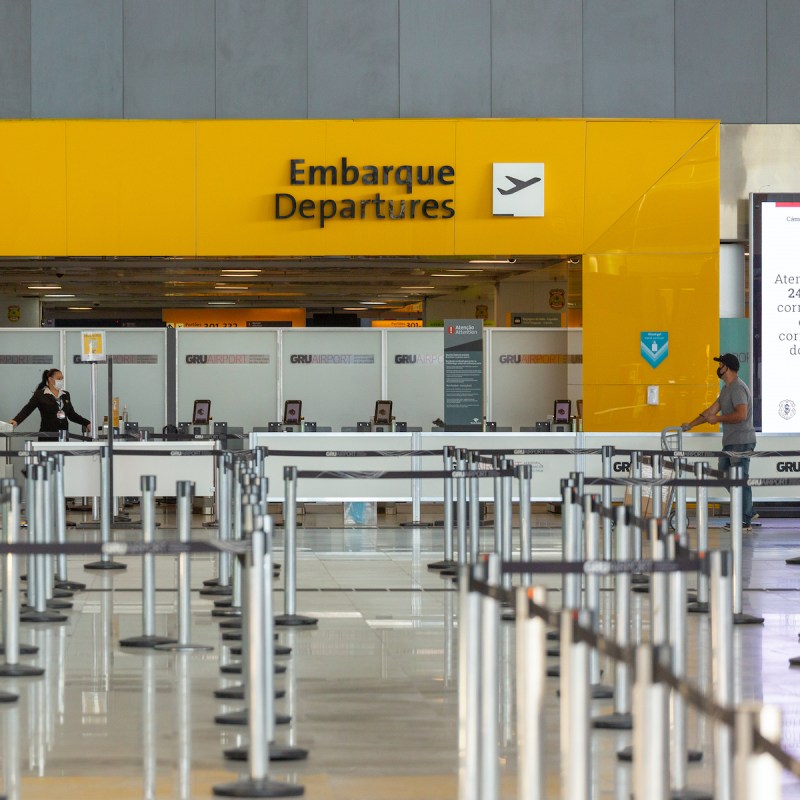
x,y
518,190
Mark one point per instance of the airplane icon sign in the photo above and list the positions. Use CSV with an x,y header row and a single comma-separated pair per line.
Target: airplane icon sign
x,y
518,185
518,189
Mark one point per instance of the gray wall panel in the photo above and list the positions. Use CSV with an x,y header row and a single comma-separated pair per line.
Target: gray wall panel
x,y
628,58
76,55
262,59
15,59
783,66
445,58
352,59
169,59
720,60
536,58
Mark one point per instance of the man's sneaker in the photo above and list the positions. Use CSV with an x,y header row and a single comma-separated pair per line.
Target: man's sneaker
x,y
745,528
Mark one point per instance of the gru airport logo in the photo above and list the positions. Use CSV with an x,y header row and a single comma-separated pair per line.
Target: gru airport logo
x,y
518,190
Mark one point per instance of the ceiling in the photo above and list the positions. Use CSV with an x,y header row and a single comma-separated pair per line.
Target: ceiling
x,y
87,287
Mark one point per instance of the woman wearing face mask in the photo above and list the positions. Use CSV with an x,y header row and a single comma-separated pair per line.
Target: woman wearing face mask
x,y
54,404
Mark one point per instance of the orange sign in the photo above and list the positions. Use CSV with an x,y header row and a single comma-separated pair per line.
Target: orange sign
x,y
234,317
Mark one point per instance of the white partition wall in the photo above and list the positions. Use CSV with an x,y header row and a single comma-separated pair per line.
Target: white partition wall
x,y
237,369
415,374
336,373
139,374
24,355
528,371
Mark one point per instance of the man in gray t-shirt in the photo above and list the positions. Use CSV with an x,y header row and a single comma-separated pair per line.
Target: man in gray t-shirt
x,y
733,408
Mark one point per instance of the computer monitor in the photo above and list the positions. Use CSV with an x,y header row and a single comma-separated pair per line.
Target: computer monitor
x,y
383,412
561,410
201,414
292,412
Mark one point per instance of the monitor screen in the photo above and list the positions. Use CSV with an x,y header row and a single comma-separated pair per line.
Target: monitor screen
x,y
561,409
291,412
383,412
202,412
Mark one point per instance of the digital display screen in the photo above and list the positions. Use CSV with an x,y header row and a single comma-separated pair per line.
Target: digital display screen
x,y
775,311
561,409
291,412
201,412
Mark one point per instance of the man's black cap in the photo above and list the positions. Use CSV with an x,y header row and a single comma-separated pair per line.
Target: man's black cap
x,y
729,360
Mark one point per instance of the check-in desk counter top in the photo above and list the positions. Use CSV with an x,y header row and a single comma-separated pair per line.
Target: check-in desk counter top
x,y
82,472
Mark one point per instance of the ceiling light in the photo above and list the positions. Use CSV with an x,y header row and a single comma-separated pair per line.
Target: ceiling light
x,y
222,302
355,308
229,286
495,261
417,288
45,286
447,275
373,303
59,295
79,308
240,272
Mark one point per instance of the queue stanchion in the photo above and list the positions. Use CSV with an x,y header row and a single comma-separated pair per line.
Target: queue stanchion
x,y
184,493
489,685
591,526
681,516
106,511
62,579
37,570
700,606
621,718
531,660
290,617
680,753
576,777
568,553
497,504
52,596
474,511
447,563
469,704
223,508
11,668
148,509
651,719
524,473
636,510
758,774
508,520
607,452
258,783
722,679
739,617
461,508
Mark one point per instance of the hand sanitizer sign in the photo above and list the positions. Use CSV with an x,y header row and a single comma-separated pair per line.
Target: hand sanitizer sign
x,y
654,346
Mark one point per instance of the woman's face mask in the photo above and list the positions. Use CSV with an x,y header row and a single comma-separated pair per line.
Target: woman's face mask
x,y
59,384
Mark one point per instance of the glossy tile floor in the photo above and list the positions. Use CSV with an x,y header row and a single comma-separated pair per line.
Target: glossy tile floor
x,y
371,689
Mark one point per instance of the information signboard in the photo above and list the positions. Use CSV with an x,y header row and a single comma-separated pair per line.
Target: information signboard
x,y
463,374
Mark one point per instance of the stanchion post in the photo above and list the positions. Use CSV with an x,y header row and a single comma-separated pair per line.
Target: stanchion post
x,y
524,473
62,579
489,686
576,777
571,582
636,502
700,469
461,507
289,616
607,454
722,670
184,493
508,527
469,682
681,517
447,503
650,741
474,511
739,617
591,537
531,662
757,774
106,512
11,668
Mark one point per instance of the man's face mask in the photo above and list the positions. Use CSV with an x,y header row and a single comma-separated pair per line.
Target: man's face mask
x,y
721,371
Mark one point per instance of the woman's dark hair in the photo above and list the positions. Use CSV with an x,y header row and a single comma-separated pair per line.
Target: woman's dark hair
x,y
46,375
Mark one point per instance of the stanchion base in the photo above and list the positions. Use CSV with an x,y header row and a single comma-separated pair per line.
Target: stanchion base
x,y
449,572
690,794
226,612
24,650
240,718
176,647
294,620
230,692
626,754
793,561
641,588
235,668
19,671
613,722
553,636
638,578
554,651
747,619
226,602
212,524
107,565
70,586
232,636
8,697
600,691
554,672
282,650
59,605
697,608
231,623
216,591
276,753
41,616
211,582
236,650
61,593
440,565
258,788
146,641
794,662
